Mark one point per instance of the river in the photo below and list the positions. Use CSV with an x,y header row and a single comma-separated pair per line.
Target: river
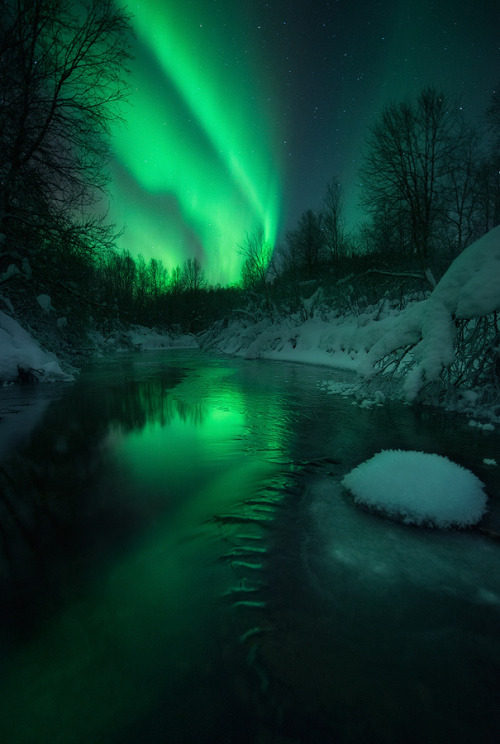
x,y
179,563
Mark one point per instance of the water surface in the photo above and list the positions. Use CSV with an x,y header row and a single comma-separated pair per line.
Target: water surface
x,y
180,563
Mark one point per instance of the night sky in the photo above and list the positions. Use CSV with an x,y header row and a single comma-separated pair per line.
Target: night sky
x,y
241,112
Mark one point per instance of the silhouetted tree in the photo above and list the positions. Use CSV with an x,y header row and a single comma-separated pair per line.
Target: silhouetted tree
x,y
176,282
193,275
62,74
493,118
490,167
463,187
194,281
333,222
257,253
158,277
306,243
406,172
487,212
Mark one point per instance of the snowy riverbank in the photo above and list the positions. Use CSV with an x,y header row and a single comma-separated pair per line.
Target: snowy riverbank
x,y
22,359
442,350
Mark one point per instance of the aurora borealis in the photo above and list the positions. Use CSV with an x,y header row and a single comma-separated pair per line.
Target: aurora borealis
x,y
196,167
241,112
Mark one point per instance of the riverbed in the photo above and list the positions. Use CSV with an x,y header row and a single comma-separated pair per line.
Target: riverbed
x,y
179,562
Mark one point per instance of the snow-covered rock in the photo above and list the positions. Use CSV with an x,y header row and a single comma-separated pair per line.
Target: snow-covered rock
x,y
418,488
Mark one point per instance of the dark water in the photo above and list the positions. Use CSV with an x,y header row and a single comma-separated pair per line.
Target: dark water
x,y
179,563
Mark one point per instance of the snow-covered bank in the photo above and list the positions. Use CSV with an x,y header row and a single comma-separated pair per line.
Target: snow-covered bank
x,y
444,349
325,338
147,339
23,360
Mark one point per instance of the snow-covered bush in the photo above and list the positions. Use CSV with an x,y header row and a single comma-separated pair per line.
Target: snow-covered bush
x,y
451,337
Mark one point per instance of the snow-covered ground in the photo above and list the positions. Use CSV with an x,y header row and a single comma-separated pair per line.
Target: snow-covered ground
x,y
395,352
141,338
21,356
147,339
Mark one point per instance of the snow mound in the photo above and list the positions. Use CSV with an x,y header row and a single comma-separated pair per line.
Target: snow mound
x,y
418,488
19,351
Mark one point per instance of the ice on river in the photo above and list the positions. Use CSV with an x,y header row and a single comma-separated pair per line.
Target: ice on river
x,y
356,553
418,488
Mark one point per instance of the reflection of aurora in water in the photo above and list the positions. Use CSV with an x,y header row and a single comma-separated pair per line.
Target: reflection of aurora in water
x,y
157,583
120,565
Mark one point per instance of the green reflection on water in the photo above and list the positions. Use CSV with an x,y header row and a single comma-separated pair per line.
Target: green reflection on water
x,y
198,463
146,621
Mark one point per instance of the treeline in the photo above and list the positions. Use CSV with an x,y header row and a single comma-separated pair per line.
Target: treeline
x,y
430,186
145,292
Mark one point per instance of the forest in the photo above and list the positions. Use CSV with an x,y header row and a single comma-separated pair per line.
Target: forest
x,y
430,188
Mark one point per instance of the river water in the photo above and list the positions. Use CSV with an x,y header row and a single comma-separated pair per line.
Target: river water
x,y
179,563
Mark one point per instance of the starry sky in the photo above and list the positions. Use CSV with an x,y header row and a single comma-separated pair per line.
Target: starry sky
x,y
241,112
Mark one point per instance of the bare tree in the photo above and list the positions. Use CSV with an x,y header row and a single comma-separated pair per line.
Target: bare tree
x,y
487,212
194,281
307,242
493,119
193,275
406,170
63,68
463,192
176,282
257,253
333,222
158,277
490,167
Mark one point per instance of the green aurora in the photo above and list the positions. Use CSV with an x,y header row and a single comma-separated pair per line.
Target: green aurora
x,y
198,143
241,113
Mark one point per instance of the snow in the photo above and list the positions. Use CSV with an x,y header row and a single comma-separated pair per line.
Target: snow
x,y
11,271
478,425
470,287
418,488
18,350
325,338
45,302
407,349
148,339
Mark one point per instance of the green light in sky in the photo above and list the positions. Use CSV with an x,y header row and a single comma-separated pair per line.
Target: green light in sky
x,y
194,168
